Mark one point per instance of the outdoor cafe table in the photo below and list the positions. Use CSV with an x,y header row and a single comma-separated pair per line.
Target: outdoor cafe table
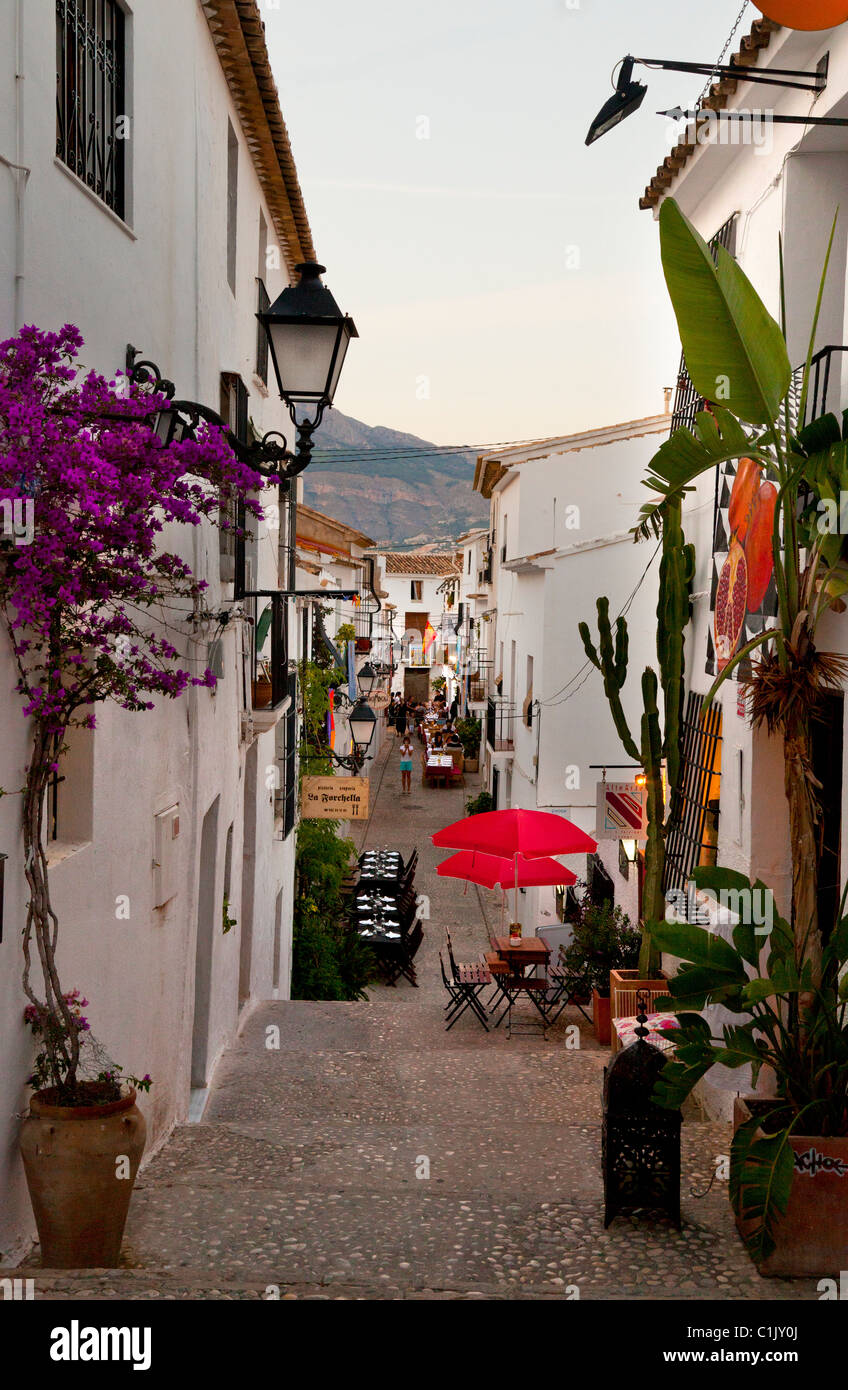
x,y
439,765
530,950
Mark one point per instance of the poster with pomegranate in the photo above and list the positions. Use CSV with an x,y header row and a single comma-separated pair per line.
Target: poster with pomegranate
x,y
743,598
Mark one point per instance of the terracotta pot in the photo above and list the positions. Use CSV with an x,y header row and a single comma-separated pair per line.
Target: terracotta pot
x,y
601,1017
80,1199
812,1237
472,764
262,692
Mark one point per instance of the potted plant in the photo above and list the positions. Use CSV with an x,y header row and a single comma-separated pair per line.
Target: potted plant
x,y
789,1154
82,610
439,684
475,805
470,731
603,941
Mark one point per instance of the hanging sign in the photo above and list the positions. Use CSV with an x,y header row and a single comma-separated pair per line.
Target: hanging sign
x,y
334,798
379,699
621,811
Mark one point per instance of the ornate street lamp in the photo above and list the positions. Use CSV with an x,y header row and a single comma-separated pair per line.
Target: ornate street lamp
x,y
308,337
362,723
366,679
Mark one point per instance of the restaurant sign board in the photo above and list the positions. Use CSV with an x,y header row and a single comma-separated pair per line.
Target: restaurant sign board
x,y
621,811
334,798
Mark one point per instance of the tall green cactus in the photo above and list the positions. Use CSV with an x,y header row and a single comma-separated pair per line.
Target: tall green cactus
x,y
677,571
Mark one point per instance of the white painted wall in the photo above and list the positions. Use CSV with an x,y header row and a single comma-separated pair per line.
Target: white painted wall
x,y
158,281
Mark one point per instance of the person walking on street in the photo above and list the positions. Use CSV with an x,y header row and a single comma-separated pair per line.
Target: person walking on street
x,y
401,717
406,763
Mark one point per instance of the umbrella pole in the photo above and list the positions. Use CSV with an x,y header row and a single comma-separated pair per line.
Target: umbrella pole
x,y
515,863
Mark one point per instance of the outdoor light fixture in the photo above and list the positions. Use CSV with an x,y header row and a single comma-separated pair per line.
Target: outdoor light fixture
x,y
629,95
308,337
366,679
179,420
628,848
362,723
626,99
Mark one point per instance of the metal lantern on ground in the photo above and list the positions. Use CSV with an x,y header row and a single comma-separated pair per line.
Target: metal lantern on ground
x,y
308,336
641,1140
362,723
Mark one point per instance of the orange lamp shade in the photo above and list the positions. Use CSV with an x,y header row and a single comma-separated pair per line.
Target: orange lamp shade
x,y
805,14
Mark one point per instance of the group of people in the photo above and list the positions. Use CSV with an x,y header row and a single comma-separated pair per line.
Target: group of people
x,y
404,715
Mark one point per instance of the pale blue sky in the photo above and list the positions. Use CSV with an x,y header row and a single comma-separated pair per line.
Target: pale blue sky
x,y
498,265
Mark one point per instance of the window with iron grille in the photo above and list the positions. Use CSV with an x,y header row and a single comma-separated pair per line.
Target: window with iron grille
x,y
687,402
690,838
234,410
90,92
263,302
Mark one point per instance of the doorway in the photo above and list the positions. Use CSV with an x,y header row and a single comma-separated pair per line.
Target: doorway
x,y
248,873
207,919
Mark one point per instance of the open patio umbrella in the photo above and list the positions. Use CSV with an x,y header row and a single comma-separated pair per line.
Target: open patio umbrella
x,y
514,833
490,870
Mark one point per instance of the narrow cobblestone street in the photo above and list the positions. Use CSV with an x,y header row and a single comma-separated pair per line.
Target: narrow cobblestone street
x,y
303,1173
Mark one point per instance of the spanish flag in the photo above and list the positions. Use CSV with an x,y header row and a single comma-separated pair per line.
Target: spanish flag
x,y
429,637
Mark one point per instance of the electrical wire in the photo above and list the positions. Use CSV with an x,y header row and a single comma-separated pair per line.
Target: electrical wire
x,y
553,701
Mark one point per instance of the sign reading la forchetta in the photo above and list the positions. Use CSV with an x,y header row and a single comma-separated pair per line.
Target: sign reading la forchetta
x,y
334,798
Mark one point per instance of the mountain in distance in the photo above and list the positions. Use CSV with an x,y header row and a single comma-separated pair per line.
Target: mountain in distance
x,y
385,483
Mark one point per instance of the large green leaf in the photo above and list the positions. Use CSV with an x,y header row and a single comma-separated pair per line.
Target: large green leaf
x,y
691,943
761,1170
735,351
716,438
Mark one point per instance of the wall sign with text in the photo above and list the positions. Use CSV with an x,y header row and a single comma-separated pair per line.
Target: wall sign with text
x,y
621,811
334,798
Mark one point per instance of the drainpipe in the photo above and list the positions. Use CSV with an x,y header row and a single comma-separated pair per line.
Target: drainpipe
x,y
17,167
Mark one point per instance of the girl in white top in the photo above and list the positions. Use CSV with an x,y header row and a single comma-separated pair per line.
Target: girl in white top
x,y
406,763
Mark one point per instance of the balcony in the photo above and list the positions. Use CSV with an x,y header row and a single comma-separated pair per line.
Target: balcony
x,y
476,691
500,716
269,683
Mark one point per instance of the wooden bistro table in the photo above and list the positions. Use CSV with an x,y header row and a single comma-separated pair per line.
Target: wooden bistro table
x,y
530,950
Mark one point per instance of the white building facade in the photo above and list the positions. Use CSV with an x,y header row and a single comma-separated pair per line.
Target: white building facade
x,y
171,843
560,537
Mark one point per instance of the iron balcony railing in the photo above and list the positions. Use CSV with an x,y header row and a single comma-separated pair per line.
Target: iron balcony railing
x,y
270,651
500,717
825,389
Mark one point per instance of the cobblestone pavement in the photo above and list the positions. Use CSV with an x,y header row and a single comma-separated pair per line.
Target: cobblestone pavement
x,y
303,1177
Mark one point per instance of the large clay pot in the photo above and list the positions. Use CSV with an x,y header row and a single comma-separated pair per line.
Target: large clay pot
x,y
812,1237
72,1159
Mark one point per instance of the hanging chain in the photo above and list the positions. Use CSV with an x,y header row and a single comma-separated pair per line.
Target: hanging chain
x,y
723,54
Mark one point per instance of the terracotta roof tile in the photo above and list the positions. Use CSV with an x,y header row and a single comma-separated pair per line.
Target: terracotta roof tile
x,y
413,562
748,56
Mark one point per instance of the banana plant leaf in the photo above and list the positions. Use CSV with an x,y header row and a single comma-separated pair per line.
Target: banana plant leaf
x,y
735,351
263,627
717,438
761,1170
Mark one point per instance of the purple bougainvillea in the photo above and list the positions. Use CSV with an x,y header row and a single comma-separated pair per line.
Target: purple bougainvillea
x,y
96,605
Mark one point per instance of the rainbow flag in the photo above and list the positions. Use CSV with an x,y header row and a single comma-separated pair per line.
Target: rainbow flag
x,y
331,719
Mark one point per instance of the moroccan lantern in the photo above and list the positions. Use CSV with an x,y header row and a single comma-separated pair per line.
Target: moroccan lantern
x,y
805,14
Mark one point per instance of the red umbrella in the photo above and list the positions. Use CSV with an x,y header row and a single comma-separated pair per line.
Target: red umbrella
x,y
491,870
508,833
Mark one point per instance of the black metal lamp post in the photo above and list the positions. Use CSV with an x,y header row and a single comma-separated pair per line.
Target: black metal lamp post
x,y
308,337
366,679
362,723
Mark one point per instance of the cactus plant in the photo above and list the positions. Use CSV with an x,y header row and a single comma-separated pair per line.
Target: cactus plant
x,y
677,571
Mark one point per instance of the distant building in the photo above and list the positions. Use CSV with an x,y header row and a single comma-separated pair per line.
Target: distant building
x,y
423,596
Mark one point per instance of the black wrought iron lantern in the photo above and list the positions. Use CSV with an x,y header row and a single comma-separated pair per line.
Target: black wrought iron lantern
x,y
641,1140
366,679
308,336
362,722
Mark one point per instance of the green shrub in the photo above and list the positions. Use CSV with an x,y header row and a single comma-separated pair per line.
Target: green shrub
x,y
603,940
475,805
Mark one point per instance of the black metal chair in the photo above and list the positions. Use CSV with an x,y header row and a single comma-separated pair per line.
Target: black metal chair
x,y
567,988
459,999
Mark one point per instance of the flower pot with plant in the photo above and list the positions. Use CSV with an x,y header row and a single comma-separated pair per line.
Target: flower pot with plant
x,y
789,1154
602,941
81,607
470,731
